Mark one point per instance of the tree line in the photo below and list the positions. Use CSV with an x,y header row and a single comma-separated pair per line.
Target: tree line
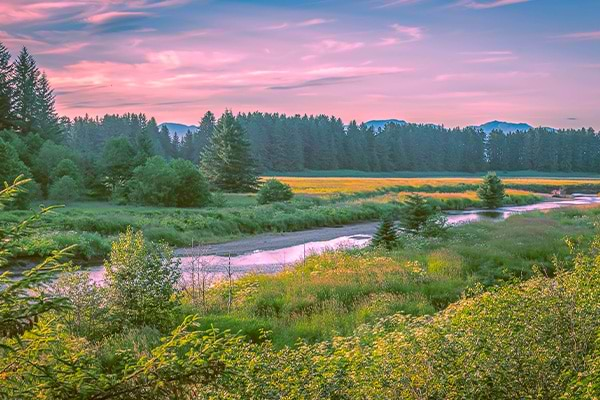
x,y
97,157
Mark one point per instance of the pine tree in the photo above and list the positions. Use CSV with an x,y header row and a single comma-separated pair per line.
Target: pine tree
x,y
46,119
491,191
204,133
416,213
386,235
187,146
25,84
6,91
175,146
227,161
164,138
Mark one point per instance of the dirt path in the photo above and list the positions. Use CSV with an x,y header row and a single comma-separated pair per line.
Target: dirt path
x,y
274,241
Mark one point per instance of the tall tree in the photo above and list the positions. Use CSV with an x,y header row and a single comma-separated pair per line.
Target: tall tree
x,y
227,161
46,119
204,133
6,90
25,84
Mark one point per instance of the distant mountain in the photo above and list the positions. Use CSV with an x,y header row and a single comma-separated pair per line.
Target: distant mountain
x,y
179,129
506,127
381,123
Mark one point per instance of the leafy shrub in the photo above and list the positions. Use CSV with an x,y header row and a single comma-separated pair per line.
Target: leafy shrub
x,y
141,278
272,191
65,189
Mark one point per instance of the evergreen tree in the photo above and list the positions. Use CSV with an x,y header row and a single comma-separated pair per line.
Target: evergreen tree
x,y
6,91
227,161
416,213
175,146
25,85
46,121
386,235
491,191
188,148
164,138
204,133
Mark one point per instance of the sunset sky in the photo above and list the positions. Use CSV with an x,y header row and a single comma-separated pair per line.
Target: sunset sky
x,y
453,62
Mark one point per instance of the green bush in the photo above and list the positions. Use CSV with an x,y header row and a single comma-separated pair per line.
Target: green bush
x,y
273,191
65,189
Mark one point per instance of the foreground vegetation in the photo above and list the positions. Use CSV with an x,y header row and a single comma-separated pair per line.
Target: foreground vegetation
x,y
335,292
92,226
527,338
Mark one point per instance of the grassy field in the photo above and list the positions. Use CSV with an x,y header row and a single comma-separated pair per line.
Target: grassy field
x,y
333,293
344,173
319,202
327,186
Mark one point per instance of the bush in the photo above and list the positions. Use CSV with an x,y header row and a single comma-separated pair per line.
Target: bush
x,y
176,184
141,279
190,186
272,191
66,189
12,167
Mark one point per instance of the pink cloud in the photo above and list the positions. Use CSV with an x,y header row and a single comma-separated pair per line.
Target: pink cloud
x,y
112,15
582,36
335,46
482,5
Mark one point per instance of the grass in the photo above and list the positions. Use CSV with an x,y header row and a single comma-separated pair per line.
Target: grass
x,y
333,293
346,173
328,186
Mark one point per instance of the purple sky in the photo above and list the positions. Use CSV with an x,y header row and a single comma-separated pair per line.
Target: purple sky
x,y
455,62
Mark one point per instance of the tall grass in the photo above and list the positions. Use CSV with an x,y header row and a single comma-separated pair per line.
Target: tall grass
x,y
333,293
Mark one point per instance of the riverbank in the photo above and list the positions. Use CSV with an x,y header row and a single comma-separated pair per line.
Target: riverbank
x,y
92,226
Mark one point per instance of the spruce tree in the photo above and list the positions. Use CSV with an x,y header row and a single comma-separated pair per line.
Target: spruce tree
x,y
416,213
386,235
46,118
491,191
227,161
204,133
6,91
25,85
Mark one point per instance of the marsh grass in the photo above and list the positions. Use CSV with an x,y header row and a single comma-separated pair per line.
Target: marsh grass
x,y
333,293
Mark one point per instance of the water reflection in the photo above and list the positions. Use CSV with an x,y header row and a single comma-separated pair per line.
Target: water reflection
x,y
271,261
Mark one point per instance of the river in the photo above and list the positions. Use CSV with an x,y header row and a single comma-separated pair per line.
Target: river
x,y
271,253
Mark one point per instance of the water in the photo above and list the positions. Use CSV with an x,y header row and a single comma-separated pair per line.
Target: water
x,y
216,261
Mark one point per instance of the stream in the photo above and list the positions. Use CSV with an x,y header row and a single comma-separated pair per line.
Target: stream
x,y
271,253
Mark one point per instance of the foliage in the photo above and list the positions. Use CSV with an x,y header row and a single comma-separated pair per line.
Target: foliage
x,y
273,191
141,278
176,183
23,301
386,235
65,189
12,167
191,187
415,213
491,191
227,161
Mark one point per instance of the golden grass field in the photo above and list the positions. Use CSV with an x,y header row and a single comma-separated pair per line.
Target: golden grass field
x,y
329,186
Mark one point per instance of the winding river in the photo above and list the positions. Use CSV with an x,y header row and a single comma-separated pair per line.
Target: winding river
x,y
271,253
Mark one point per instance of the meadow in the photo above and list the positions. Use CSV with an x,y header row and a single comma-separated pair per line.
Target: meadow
x,y
318,202
333,293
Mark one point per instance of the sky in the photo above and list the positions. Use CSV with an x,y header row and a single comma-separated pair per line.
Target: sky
x,y
451,62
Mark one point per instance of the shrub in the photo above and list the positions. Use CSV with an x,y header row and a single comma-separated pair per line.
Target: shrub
x,y
272,191
415,213
65,189
386,235
66,168
491,192
190,186
141,278
152,183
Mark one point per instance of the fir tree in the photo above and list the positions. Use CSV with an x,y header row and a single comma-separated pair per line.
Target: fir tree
x,y
416,213
188,150
491,191
204,133
386,235
227,161
25,84
6,91
46,119
164,139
